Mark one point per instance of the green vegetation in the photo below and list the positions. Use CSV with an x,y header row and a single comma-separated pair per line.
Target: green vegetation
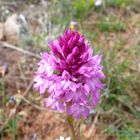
x,y
118,102
111,24
81,8
118,3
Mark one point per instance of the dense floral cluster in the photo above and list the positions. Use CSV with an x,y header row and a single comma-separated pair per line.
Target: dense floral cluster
x,y
71,75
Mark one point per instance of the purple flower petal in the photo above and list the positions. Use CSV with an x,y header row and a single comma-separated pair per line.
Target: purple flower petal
x,y
71,75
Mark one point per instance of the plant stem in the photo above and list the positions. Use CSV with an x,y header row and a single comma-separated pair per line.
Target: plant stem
x,y
14,126
70,122
3,103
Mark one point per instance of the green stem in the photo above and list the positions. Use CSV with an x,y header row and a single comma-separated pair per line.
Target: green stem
x,y
14,127
70,122
3,103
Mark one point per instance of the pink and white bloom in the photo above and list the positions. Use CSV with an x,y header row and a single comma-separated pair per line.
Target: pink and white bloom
x,y
98,3
62,138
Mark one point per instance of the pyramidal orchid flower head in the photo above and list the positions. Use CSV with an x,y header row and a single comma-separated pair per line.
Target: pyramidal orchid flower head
x,y
71,75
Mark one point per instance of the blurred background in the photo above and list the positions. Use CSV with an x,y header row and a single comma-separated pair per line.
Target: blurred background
x,y
113,30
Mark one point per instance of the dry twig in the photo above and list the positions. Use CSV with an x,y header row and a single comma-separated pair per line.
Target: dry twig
x,y
92,129
7,45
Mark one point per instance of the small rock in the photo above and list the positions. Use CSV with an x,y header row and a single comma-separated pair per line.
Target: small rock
x,y
1,31
3,70
14,26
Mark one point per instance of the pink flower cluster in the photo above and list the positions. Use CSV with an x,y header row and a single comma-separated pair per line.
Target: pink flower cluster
x,y
71,75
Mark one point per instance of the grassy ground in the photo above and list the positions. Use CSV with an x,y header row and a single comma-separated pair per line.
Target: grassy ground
x,y
114,31
116,36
